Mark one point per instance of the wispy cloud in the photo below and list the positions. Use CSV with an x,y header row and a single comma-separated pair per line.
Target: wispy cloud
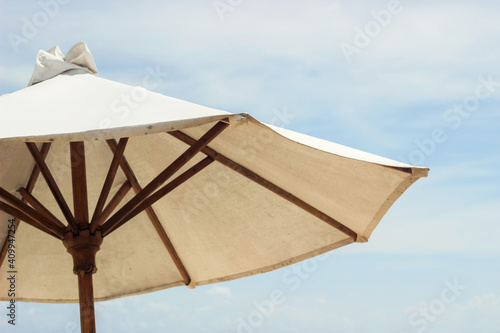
x,y
223,293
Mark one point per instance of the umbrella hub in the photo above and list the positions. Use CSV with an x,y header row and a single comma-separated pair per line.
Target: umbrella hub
x,y
83,248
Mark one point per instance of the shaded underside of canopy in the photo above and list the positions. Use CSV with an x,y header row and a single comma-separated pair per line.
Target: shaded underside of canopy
x,y
222,224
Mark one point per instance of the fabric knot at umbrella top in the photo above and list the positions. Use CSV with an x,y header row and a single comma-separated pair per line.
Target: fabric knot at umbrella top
x,y
53,62
167,192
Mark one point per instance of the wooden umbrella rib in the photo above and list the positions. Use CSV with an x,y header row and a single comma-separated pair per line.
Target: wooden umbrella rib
x,y
168,245
127,170
79,182
29,186
106,188
32,213
44,151
28,219
113,203
149,201
267,184
56,192
165,174
29,198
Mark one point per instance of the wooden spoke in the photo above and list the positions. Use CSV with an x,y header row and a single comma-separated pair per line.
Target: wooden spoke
x,y
56,192
29,198
115,163
28,219
168,245
29,186
113,203
164,175
127,170
28,211
79,181
161,193
267,184
44,151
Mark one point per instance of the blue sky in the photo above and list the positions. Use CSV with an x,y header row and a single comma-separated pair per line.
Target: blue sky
x,y
411,80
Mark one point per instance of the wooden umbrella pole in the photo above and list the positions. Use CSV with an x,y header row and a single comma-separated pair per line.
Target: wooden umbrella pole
x,y
86,295
83,244
83,248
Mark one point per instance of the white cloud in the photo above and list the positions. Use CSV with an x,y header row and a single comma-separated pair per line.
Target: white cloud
x,y
446,232
157,307
204,309
221,292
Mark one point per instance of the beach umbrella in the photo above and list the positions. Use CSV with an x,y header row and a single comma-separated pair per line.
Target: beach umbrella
x,y
164,191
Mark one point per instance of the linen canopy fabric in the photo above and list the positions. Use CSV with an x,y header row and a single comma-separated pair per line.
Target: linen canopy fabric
x,y
222,224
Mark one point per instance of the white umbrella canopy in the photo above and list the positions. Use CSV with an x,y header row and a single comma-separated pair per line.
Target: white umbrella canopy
x,y
192,195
